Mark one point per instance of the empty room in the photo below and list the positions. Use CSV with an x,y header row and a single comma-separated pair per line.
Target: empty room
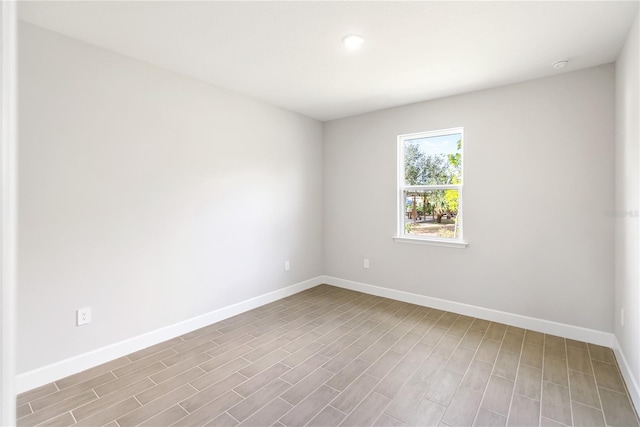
x,y
320,213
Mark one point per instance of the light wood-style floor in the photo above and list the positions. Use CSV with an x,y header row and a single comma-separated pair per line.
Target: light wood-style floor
x,y
328,357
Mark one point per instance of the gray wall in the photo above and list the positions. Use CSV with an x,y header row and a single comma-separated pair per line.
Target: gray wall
x,y
538,177
150,197
627,252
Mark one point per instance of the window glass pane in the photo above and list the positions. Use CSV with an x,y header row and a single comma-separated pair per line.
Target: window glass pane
x,y
432,213
433,160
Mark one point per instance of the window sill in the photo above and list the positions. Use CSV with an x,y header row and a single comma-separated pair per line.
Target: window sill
x,y
432,241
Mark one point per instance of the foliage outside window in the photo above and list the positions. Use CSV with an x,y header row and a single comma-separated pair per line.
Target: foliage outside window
x,y
430,185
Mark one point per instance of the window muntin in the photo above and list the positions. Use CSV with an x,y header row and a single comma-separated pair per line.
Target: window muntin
x,y
430,185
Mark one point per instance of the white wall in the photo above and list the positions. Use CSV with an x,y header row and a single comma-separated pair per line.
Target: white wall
x,y
8,211
150,197
538,178
627,162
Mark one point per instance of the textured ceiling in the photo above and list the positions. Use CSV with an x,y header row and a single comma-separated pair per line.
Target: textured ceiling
x,y
289,53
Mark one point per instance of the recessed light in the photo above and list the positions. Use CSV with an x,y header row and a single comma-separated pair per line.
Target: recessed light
x,y
352,41
560,64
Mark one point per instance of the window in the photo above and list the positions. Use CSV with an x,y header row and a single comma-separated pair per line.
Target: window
x,y
430,187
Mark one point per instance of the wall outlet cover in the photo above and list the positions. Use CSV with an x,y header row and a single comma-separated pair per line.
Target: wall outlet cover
x,y
83,316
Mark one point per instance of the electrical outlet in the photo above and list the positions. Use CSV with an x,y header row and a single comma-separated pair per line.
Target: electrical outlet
x,y
83,316
286,266
622,317
366,263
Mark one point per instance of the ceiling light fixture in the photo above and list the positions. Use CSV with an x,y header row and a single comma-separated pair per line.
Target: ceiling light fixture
x,y
352,41
560,64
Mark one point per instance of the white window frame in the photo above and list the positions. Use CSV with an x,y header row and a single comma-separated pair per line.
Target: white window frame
x,y
401,236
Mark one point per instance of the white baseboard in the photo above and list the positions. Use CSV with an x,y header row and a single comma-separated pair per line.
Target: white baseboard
x,y
627,374
534,324
73,365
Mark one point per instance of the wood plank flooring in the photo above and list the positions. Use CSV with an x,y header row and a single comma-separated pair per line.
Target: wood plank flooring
x,y
329,357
